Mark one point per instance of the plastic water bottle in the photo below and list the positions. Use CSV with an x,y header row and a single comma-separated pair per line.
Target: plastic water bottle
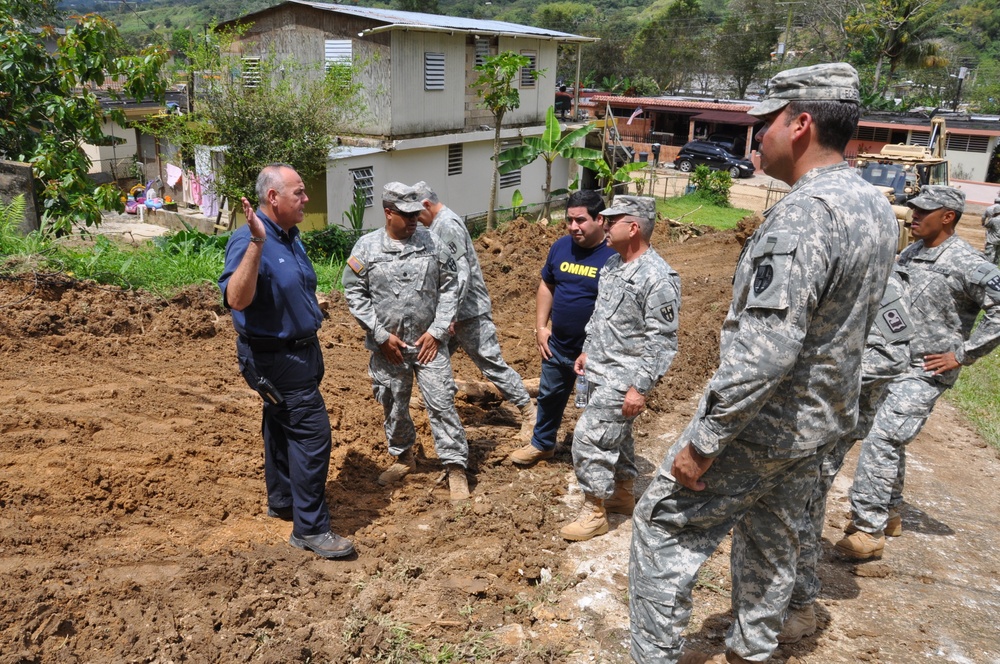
x,y
581,391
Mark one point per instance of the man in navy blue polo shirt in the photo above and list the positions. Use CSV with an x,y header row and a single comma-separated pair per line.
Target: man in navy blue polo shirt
x,y
269,284
566,295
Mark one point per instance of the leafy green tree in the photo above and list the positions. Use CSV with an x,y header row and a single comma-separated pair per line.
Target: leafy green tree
x,y
745,40
901,32
551,145
48,107
292,114
423,6
498,94
668,47
563,16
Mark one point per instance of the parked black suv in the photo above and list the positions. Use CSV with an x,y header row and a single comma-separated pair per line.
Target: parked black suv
x,y
715,157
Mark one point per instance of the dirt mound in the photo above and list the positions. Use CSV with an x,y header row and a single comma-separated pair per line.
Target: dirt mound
x,y
133,526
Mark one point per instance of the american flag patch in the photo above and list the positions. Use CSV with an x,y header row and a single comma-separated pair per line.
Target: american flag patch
x,y
357,266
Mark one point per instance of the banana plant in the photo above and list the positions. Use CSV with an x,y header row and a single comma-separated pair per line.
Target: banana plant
x,y
552,144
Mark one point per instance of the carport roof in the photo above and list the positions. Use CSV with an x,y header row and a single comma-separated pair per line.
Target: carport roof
x,y
727,117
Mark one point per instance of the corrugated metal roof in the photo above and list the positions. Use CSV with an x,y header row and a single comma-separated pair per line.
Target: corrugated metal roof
x,y
654,102
397,19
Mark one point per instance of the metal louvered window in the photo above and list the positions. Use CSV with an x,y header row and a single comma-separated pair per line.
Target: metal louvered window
x,y
966,143
528,73
364,179
433,71
251,72
919,138
513,178
874,134
455,151
482,49
337,59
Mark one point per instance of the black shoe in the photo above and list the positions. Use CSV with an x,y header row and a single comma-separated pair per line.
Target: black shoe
x,y
327,545
283,513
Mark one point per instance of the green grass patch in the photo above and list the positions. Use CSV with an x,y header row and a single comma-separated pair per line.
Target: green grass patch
x,y
976,395
695,209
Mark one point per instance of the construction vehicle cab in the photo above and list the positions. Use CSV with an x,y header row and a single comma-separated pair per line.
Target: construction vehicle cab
x,y
900,171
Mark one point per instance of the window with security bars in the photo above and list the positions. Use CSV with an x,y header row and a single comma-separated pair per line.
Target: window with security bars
x,y
528,73
873,134
251,72
455,151
364,180
919,138
433,71
482,50
337,59
966,143
513,178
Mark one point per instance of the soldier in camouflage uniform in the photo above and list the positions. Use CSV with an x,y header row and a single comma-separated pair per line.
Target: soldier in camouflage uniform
x,y
887,354
631,341
402,287
950,283
991,222
473,328
806,291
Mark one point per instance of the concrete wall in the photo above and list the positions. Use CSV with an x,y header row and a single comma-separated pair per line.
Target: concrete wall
x,y
115,160
16,178
467,193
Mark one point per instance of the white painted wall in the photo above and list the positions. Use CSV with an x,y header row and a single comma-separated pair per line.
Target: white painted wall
x,y
101,157
466,194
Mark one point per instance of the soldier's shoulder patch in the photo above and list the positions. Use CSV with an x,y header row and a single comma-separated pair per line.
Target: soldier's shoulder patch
x,y
667,311
356,265
987,275
452,247
762,278
451,264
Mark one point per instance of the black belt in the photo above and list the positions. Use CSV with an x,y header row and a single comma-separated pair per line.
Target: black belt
x,y
273,344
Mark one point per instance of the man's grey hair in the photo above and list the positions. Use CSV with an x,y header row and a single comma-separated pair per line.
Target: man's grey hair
x,y
646,227
270,178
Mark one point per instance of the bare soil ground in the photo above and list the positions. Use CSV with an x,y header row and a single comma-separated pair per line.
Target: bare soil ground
x,y
133,525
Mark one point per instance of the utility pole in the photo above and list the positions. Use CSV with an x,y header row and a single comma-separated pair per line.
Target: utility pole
x,y
783,45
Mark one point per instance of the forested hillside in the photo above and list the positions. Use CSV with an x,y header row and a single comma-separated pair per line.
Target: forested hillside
x,y
911,50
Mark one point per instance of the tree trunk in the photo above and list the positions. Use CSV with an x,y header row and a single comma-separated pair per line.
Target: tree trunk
x,y
878,73
548,189
494,178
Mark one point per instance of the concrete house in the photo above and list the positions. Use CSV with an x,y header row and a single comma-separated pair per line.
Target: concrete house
x,y
423,122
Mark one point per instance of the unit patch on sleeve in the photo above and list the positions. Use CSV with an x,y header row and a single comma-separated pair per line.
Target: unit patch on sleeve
x,y
356,265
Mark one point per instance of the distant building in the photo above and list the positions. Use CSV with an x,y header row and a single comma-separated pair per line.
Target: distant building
x,y
423,122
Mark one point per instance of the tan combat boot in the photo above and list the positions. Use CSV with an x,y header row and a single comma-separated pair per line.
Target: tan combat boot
x,y
894,526
861,546
622,501
405,463
593,521
798,623
528,416
458,483
529,454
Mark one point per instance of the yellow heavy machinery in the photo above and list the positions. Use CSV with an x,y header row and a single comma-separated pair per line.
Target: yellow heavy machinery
x,y
901,170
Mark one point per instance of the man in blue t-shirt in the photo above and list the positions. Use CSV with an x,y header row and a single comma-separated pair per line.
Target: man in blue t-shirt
x,y
566,296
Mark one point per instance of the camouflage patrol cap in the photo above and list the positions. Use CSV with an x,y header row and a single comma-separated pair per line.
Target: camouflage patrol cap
x,y
934,196
637,206
834,81
423,190
401,197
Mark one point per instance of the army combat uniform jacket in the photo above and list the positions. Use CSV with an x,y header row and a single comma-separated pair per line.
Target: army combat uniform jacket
x,y
805,294
473,298
632,335
404,291
949,285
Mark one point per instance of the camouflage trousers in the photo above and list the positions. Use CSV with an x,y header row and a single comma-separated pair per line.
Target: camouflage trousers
x,y
392,385
603,447
881,471
992,251
477,336
807,583
675,530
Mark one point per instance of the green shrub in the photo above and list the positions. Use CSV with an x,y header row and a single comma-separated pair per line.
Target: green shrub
x,y
332,242
712,185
